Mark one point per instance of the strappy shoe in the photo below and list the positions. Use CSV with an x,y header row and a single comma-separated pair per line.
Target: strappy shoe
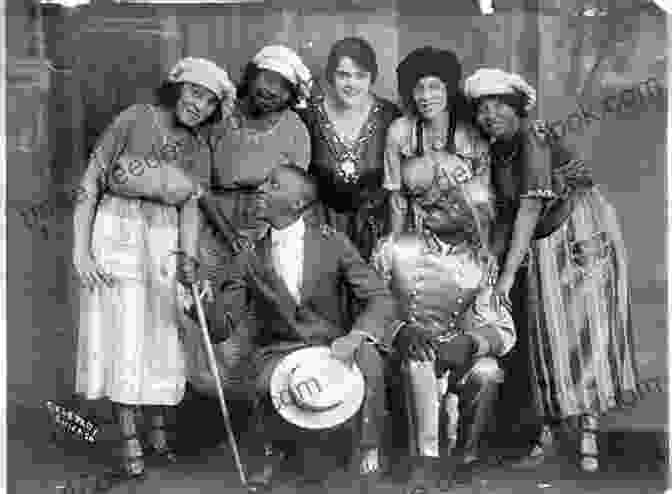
x,y
368,477
132,458
158,446
538,453
588,451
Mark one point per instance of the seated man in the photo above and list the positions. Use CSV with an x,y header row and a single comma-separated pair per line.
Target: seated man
x,y
297,301
442,274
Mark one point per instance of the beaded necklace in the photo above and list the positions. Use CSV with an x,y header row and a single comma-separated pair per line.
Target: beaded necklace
x,y
348,156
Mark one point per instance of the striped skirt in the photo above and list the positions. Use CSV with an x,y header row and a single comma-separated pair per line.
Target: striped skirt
x,y
579,331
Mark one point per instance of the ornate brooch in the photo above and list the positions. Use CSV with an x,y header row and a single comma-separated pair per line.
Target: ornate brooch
x,y
347,170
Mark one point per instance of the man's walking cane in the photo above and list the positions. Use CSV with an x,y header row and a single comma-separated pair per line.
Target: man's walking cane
x,y
218,381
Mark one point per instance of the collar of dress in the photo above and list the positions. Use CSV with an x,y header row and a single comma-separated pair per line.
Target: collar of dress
x,y
293,232
437,246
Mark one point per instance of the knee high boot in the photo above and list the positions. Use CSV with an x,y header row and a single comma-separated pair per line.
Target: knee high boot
x,y
477,398
424,403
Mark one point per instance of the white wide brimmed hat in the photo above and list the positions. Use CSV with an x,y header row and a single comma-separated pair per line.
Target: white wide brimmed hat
x,y
313,390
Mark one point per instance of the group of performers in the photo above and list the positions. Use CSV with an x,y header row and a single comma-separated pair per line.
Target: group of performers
x,y
452,242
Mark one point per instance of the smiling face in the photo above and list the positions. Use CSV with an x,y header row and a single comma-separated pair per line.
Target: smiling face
x,y
430,97
497,118
351,82
195,104
269,93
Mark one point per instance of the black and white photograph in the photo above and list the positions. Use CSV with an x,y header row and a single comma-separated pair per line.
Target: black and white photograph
x,y
336,246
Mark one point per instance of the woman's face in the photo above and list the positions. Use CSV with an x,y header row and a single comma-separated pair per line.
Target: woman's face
x,y
268,93
195,105
497,119
430,96
351,82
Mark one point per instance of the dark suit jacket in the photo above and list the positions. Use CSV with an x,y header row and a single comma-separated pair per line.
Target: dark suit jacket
x,y
332,270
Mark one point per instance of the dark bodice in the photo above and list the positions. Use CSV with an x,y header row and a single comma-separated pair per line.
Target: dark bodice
x,y
536,164
348,175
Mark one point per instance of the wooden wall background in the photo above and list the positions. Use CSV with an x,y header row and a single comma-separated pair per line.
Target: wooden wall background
x,y
31,276
105,57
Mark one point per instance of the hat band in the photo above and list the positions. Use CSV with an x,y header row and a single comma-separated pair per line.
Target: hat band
x,y
304,389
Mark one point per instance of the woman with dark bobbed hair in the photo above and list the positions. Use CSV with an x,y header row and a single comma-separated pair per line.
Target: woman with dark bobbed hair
x,y
348,124
563,262
137,214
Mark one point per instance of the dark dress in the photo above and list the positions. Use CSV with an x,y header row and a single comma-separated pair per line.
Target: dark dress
x,y
350,178
576,348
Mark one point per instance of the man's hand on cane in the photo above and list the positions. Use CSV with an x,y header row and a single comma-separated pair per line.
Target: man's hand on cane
x,y
187,268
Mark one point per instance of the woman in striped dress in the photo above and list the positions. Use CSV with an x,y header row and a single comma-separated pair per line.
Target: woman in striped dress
x,y
564,264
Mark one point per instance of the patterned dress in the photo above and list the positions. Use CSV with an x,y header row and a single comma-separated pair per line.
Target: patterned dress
x,y
350,175
576,350
129,349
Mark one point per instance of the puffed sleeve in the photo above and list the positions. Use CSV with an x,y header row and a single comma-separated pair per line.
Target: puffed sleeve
x,y
537,170
112,143
397,135
393,154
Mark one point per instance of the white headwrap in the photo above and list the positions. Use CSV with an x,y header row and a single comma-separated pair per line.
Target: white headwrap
x,y
485,82
287,63
205,73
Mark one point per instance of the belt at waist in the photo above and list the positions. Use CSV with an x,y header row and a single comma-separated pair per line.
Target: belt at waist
x,y
441,331
224,189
